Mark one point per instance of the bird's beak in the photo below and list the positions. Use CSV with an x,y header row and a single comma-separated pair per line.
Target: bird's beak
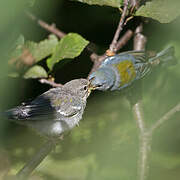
x,y
91,86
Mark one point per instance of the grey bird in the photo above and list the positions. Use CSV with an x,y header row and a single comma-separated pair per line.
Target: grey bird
x,y
55,111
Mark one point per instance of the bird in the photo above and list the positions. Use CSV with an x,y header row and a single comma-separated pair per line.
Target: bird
x,y
54,112
121,70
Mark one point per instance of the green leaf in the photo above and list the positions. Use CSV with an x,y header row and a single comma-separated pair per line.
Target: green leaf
x,y
70,46
163,11
36,72
113,3
30,52
42,49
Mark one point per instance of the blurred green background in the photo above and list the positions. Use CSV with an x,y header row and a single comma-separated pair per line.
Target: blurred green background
x,y
105,145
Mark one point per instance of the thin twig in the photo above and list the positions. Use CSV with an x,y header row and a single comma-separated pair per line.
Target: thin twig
x,y
94,57
52,83
97,60
138,114
144,138
135,4
163,119
36,160
51,28
123,40
139,39
60,34
120,27
139,44
144,152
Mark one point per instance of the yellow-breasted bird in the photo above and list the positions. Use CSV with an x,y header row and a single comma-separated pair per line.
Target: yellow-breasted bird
x,y
121,70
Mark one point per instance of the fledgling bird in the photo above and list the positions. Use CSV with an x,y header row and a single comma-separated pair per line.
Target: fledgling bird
x,y
55,111
121,70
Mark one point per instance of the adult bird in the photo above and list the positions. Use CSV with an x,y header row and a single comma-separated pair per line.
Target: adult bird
x,y
120,71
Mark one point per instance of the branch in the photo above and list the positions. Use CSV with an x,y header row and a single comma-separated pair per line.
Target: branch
x,y
144,152
138,115
50,82
139,44
60,34
145,134
94,57
166,117
139,39
97,60
123,40
51,28
135,4
144,138
113,44
36,160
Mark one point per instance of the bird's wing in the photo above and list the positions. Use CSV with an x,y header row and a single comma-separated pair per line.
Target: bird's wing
x,y
70,105
53,104
43,104
139,55
40,108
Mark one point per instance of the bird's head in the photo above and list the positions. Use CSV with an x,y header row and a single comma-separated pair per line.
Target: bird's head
x,y
80,87
102,79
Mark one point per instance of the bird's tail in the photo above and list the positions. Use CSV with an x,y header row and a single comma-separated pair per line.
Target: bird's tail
x,y
10,114
165,57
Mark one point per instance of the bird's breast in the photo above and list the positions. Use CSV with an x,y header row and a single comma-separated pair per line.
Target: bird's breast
x,y
125,73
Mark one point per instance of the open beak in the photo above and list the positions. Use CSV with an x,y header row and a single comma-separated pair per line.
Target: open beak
x,y
91,86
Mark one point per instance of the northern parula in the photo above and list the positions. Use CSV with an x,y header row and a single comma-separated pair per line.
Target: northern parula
x,y
55,111
121,70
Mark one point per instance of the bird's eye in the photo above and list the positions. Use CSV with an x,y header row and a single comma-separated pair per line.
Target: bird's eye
x,y
85,88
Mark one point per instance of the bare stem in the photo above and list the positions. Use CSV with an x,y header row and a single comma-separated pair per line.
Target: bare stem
x,y
145,134
51,83
138,115
51,28
144,138
123,40
97,60
144,153
139,39
144,142
163,119
36,160
120,27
